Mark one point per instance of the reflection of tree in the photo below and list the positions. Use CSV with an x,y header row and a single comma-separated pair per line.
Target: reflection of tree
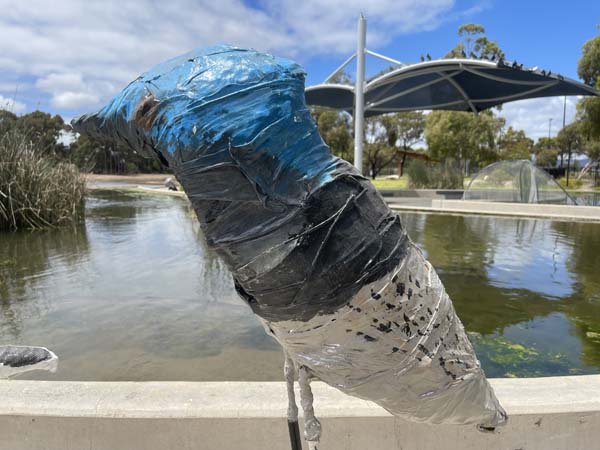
x,y
112,210
25,258
465,249
214,275
583,306
458,243
462,249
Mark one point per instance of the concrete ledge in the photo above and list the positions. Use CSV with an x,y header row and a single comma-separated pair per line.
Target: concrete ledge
x,y
449,194
546,414
560,212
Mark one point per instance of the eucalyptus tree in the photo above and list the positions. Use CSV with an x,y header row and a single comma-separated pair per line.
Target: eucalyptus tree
x,y
588,109
546,152
588,69
335,128
514,144
475,44
464,137
405,130
569,139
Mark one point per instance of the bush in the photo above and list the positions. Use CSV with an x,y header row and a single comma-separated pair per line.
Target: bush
x,y
36,191
574,183
445,175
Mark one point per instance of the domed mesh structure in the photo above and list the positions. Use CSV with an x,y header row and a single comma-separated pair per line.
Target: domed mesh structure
x,y
516,182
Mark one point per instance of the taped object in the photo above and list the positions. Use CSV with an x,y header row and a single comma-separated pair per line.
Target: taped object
x,y
16,359
312,246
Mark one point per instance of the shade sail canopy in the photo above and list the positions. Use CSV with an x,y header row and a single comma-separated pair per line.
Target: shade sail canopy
x,y
450,84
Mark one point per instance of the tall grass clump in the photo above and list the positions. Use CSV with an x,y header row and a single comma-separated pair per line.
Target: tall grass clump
x,y
36,190
445,175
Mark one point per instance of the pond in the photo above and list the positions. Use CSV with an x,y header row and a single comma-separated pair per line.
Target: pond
x,y
586,198
135,294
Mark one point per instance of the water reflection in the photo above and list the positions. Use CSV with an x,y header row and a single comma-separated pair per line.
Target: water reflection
x,y
135,294
29,263
527,289
583,306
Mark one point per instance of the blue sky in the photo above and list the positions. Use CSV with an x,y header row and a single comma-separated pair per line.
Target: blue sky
x,y
539,33
71,56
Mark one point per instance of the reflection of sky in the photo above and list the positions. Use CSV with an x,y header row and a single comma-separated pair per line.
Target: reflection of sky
x,y
551,333
529,254
520,253
146,289
153,249
139,296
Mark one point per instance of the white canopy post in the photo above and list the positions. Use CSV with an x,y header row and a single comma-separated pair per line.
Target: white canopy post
x,y
359,100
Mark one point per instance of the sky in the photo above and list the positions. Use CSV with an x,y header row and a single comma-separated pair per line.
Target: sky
x,y
70,56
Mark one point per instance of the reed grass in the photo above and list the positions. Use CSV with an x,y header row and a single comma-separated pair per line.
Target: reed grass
x,y
36,191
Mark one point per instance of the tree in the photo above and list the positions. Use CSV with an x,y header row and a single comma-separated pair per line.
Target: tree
x,y
7,121
389,137
588,114
514,144
464,137
380,149
41,129
569,139
475,44
342,77
44,130
405,129
588,69
546,152
588,109
105,156
335,129
591,148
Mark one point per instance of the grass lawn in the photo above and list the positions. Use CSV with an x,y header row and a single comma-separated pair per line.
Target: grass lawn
x,y
385,184
401,183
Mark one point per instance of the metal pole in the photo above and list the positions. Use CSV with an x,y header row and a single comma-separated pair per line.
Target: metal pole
x,y
564,123
568,165
359,99
549,127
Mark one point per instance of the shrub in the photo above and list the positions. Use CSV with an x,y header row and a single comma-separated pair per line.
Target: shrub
x,y
574,183
445,175
36,191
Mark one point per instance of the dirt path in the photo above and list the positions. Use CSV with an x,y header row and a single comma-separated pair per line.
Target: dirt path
x,y
143,178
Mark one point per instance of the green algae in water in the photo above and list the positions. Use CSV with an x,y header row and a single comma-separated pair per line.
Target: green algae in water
x,y
502,357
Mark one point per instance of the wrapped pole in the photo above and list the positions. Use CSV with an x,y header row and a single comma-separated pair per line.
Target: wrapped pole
x,y
289,372
312,246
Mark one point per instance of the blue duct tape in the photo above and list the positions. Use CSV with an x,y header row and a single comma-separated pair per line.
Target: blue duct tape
x,y
312,247
234,127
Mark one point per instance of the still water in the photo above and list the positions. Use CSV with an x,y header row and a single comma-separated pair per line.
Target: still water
x,y
135,294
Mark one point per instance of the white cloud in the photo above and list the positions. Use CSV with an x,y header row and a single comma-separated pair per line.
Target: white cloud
x,y
330,26
82,52
533,115
73,100
68,90
11,105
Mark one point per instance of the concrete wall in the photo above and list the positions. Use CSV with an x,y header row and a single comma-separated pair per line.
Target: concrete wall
x,y
559,212
448,194
545,414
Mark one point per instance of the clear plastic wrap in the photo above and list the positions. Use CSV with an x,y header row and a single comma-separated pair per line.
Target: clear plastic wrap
x,y
16,359
312,247
518,181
